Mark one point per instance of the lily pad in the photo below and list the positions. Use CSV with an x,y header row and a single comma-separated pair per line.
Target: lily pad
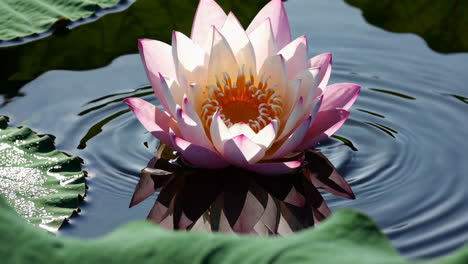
x,y
41,183
22,18
346,237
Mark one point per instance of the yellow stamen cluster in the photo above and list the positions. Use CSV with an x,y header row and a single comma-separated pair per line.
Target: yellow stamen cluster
x,y
255,104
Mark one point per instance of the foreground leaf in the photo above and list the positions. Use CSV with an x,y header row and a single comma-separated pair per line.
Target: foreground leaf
x,y
346,237
41,183
22,18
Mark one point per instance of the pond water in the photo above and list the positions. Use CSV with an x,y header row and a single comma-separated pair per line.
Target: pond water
x,y
403,150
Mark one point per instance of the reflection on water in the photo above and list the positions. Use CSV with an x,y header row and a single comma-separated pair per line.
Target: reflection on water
x,y
401,95
371,113
237,201
389,131
96,129
461,98
345,141
442,23
118,100
412,183
128,94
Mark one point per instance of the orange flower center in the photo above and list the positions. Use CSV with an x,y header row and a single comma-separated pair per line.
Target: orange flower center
x,y
255,104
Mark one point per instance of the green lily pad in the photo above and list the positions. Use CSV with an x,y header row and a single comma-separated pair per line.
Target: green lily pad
x,y
41,183
346,237
443,24
22,18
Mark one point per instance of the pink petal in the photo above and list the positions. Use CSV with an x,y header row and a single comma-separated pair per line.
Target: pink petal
x,y
263,43
219,132
308,88
191,130
274,70
241,128
316,108
196,155
189,61
291,95
167,95
222,59
293,119
295,56
325,125
153,119
274,168
190,110
239,42
293,140
267,135
208,14
242,151
340,95
276,12
195,95
157,59
324,62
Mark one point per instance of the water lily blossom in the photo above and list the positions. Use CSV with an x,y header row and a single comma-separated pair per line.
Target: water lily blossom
x,y
248,98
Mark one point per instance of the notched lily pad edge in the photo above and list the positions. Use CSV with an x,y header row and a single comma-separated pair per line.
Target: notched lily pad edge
x,y
66,203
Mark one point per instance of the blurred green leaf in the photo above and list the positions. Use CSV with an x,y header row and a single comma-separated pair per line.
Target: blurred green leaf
x,y
41,183
22,18
346,237
442,23
97,43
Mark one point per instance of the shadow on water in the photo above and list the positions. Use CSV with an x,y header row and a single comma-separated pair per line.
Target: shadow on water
x,y
442,23
97,43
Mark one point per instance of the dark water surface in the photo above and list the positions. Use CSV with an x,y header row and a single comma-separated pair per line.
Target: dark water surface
x,y
405,159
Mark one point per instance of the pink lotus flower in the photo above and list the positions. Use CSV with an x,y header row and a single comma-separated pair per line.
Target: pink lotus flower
x,y
248,98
